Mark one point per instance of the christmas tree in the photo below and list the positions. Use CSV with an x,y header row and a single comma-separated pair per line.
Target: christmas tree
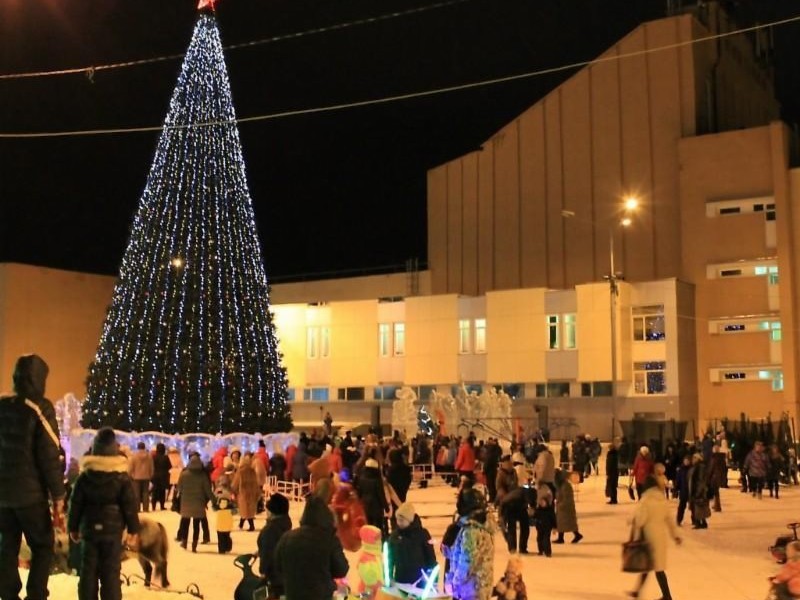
x,y
188,343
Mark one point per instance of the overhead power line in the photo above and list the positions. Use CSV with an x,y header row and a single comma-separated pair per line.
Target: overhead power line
x,y
407,96
90,71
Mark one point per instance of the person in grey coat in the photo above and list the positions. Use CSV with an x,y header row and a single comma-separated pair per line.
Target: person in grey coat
x,y
566,516
194,489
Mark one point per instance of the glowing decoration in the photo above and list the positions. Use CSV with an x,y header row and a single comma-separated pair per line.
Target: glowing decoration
x,y
430,581
386,572
207,6
188,344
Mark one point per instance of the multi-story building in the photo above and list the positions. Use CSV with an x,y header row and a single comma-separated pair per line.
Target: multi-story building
x,y
521,234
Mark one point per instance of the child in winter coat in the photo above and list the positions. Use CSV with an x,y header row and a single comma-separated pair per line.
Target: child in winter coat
x,y
511,586
788,578
224,524
410,547
102,506
544,517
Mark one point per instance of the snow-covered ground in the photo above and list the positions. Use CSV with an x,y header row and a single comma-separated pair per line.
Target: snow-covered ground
x,y
729,560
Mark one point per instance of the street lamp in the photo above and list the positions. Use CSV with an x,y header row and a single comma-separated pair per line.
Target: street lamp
x,y
625,219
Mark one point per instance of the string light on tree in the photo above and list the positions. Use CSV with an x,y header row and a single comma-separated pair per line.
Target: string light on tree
x,y
188,343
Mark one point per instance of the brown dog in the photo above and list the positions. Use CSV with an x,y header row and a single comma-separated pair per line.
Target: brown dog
x,y
151,550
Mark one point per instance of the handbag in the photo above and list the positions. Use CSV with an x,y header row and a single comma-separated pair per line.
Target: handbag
x,y
176,503
636,554
631,495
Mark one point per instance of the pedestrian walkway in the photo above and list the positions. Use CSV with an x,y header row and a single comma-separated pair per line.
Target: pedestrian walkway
x,y
728,560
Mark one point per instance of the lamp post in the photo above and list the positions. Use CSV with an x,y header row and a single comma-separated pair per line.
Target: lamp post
x,y
629,206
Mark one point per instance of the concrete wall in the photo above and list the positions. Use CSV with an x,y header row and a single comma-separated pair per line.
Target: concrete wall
x,y
56,314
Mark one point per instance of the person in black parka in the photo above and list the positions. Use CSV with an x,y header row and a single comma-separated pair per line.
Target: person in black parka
x,y
278,523
102,507
309,558
160,480
410,547
31,473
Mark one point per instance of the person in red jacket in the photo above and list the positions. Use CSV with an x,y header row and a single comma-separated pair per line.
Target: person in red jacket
x,y
290,452
261,454
642,467
465,461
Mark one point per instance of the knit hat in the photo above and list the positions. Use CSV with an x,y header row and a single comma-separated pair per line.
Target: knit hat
x,y
105,443
371,463
278,504
407,511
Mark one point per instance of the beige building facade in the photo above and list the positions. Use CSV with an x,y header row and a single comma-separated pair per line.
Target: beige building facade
x,y
520,235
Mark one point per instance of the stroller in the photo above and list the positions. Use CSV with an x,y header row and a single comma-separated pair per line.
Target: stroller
x,y
251,587
778,550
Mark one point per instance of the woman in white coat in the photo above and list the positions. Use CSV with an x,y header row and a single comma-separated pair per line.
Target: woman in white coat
x,y
654,521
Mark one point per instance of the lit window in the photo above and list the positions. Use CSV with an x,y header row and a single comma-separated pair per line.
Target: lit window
x,y
650,377
312,342
399,339
463,336
552,332
480,336
570,332
777,382
775,331
773,279
648,323
384,345
761,270
325,342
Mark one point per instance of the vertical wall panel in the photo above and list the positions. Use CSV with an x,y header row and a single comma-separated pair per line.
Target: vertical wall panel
x,y
506,217
577,139
486,218
533,245
665,101
555,190
437,228
636,242
606,155
469,234
454,225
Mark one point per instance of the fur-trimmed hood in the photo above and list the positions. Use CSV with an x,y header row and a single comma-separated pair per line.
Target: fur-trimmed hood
x,y
105,464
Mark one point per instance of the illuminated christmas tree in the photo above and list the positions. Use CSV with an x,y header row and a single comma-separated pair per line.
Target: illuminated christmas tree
x,y
188,343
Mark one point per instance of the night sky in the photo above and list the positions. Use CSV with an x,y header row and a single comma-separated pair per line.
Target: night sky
x,y
340,191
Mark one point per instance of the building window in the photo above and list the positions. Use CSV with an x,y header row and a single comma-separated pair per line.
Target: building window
x,y
325,342
730,272
480,336
553,389
399,339
570,332
553,341
315,394
391,339
649,377
648,323
386,392
515,390
596,389
384,342
312,342
463,336
774,328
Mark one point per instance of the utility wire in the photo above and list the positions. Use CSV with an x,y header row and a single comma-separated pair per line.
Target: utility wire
x,y
410,95
90,71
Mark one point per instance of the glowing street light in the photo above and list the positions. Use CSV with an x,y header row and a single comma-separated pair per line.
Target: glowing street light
x,y
629,205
